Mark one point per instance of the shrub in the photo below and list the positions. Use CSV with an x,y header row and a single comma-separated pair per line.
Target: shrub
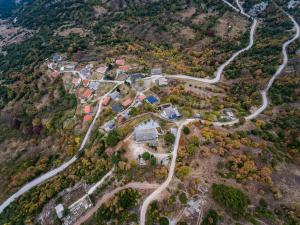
x,y
169,138
211,218
231,198
112,139
186,130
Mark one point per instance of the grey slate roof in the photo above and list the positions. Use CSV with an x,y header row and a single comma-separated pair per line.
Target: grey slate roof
x,y
114,95
156,71
94,85
146,131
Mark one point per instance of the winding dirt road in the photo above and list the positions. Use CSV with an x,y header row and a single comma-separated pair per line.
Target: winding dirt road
x,y
264,105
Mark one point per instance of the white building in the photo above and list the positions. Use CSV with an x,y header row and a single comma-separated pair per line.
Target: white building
x,y
59,210
161,82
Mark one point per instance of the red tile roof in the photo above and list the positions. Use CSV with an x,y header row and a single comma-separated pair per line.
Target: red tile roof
x,y
124,68
141,97
87,93
127,102
120,62
85,83
101,69
76,81
106,100
87,118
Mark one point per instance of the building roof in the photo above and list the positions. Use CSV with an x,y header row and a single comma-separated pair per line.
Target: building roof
x,y
106,100
120,62
101,69
146,131
87,109
136,76
127,102
122,76
94,85
87,118
56,57
141,97
124,68
114,95
117,107
85,72
69,67
156,71
171,113
76,81
151,99
162,81
59,210
85,83
87,93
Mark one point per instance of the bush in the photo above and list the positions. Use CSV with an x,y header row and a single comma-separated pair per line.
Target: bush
x,y
183,199
146,156
112,139
231,198
186,130
163,221
211,218
169,138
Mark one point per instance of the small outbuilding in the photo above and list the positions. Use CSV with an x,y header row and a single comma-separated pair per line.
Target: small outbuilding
x,y
151,99
59,209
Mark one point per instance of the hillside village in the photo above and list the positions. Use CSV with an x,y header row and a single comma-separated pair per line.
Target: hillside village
x,y
151,113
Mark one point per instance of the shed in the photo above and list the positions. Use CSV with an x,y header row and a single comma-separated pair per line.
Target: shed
x,y
59,210
156,71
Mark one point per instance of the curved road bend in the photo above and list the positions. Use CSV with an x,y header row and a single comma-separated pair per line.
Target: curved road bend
x,y
165,184
221,68
264,93
57,170
279,70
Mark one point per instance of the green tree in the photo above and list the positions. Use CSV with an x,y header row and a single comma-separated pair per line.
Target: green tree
x,y
186,130
112,139
231,198
169,138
